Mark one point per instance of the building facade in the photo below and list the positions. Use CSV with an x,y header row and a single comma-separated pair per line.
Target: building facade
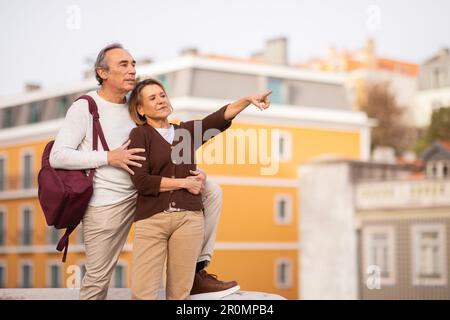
x,y
387,234
255,162
434,86
364,68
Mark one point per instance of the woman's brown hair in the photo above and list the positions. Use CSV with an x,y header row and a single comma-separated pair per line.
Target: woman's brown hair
x,y
135,99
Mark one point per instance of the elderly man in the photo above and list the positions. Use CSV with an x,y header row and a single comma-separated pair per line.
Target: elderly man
x,y
107,221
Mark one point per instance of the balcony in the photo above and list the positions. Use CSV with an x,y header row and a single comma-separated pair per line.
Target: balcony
x,y
18,187
402,194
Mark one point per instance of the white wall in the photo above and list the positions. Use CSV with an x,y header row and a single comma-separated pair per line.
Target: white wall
x,y
328,261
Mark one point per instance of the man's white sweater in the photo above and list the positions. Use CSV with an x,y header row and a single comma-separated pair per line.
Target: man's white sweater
x,y
73,147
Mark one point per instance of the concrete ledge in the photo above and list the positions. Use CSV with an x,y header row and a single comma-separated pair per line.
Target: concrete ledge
x,y
113,294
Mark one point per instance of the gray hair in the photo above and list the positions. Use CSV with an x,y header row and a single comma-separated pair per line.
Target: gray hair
x,y
100,62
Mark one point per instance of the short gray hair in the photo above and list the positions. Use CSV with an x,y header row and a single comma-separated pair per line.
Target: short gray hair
x,y
100,62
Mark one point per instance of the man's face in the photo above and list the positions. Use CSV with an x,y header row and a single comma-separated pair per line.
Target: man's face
x,y
122,73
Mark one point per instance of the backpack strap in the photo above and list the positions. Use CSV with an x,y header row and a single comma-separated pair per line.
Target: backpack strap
x,y
96,128
63,243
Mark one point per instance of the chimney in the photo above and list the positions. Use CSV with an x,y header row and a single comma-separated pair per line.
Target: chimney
x,y
276,51
370,54
32,86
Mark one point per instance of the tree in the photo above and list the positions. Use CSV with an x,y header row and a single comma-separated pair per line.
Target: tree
x,y
439,129
391,130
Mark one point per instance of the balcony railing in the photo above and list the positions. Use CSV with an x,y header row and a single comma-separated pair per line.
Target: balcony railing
x,y
15,183
402,194
12,187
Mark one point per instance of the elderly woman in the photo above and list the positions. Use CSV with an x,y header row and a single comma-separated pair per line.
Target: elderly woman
x,y
169,217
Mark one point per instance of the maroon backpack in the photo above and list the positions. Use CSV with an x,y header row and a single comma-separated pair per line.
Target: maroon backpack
x,y
64,195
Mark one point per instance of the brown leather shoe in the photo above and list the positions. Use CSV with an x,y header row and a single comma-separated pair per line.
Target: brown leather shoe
x,y
207,287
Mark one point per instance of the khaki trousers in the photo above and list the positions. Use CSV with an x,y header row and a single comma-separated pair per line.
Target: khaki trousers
x,y
212,203
179,237
105,232
106,229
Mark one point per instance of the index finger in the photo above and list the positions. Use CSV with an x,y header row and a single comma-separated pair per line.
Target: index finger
x,y
266,94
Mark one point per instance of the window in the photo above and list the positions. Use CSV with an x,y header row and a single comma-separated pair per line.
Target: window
x,y
436,77
83,270
119,276
429,254
35,112
27,226
283,209
2,275
433,171
27,170
2,227
63,106
165,82
440,77
283,145
81,233
2,173
379,251
276,85
8,119
54,235
26,279
283,273
437,169
295,93
55,275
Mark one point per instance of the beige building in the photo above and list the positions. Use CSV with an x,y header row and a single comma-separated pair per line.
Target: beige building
x,y
434,86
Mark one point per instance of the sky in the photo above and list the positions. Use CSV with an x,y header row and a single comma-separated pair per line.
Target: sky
x,y
52,42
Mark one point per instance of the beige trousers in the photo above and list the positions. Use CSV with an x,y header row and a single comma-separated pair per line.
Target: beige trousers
x,y
177,236
105,232
106,229
212,203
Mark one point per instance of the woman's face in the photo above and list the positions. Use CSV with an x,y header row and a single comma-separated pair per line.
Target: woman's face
x,y
155,104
